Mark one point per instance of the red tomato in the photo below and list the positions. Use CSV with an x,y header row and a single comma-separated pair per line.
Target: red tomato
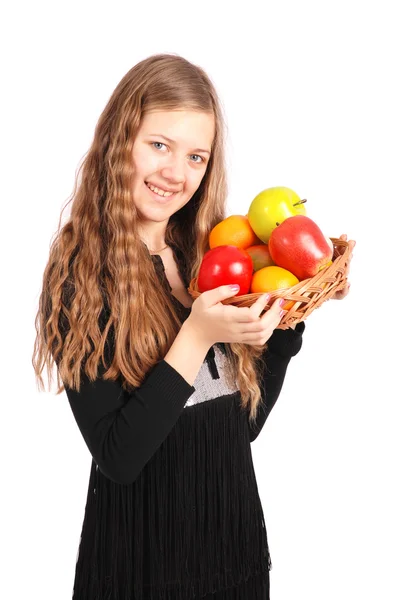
x,y
226,265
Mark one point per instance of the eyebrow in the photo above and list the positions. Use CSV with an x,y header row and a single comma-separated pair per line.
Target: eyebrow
x,y
173,142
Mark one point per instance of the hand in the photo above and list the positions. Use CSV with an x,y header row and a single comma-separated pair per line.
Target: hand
x,y
341,294
215,322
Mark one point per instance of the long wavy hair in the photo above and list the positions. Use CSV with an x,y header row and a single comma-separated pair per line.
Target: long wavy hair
x,y
98,264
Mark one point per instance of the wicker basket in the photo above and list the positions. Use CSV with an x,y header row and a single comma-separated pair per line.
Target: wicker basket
x,y
308,294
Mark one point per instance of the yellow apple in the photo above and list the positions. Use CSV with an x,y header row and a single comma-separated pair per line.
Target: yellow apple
x,y
271,207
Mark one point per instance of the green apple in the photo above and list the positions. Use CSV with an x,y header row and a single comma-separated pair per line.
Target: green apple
x,y
271,207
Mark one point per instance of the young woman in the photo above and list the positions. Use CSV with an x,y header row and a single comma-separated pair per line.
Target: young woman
x,y
167,393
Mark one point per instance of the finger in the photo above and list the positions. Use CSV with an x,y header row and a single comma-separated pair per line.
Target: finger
x,y
257,324
237,313
270,320
272,317
343,292
247,314
255,310
348,267
254,339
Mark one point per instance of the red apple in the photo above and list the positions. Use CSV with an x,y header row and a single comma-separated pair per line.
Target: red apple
x,y
330,243
299,246
225,265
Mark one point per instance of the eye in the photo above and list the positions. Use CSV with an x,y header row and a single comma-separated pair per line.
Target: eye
x,y
161,144
202,160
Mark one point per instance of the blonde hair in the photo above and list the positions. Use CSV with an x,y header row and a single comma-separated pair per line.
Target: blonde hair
x,y
98,265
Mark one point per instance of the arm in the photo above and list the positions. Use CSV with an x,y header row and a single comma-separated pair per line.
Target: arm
x,y
281,347
123,430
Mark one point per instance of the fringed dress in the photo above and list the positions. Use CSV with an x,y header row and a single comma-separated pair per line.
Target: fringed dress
x,y
173,510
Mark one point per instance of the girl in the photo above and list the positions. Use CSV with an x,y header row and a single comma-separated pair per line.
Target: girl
x,y
167,393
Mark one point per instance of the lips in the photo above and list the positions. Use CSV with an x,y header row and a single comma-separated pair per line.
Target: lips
x,y
160,187
161,199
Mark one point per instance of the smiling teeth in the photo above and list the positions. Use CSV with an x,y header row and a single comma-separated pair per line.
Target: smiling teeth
x,y
159,192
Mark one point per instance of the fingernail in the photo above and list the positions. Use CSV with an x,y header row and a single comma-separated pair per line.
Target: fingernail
x,y
234,287
283,312
281,302
266,297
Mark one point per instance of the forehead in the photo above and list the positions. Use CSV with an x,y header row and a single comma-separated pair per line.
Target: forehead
x,y
186,128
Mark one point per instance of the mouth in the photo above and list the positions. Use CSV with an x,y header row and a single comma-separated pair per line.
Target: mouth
x,y
161,199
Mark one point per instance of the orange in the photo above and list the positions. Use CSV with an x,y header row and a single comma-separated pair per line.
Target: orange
x,y
273,278
235,230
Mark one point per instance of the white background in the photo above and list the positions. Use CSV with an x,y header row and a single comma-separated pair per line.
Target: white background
x,y
312,101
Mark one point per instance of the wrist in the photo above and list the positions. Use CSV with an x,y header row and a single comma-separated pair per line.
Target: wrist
x,y
197,337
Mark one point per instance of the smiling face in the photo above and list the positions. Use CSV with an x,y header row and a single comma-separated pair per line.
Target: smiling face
x,y
176,165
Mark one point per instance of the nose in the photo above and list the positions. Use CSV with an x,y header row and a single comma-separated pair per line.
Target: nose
x,y
174,171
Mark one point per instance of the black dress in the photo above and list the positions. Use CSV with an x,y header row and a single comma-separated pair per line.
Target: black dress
x,y
184,519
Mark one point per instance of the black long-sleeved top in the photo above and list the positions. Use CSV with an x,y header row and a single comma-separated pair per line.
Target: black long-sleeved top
x,y
173,509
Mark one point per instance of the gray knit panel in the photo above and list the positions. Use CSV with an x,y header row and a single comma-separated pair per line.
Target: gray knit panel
x,y
207,388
